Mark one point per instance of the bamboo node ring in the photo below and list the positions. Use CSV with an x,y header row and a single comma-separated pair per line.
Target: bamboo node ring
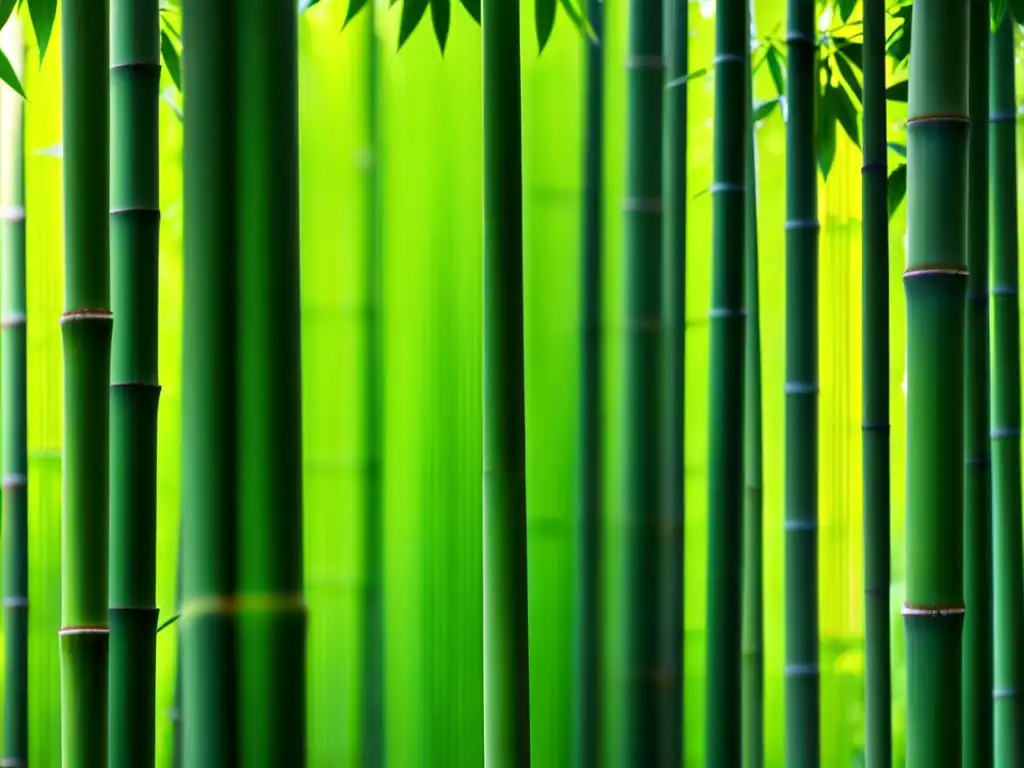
x,y
1004,290
12,320
801,670
13,481
801,388
1004,692
1001,433
74,315
724,313
72,631
243,603
800,526
727,58
1002,117
934,611
727,186
646,63
642,205
12,213
793,224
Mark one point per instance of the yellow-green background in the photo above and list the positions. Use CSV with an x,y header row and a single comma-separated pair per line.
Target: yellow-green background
x,y
431,155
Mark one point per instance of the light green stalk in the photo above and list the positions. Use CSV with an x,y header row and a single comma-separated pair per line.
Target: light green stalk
x,y
875,408
13,413
135,389
728,332
86,327
935,281
506,671
1006,509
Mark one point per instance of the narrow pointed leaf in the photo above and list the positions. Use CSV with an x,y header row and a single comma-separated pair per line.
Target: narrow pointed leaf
x,y
472,8
6,8
695,75
412,14
441,16
354,7
899,149
762,110
9,76
846,9
579,20
544,17
171,60
826,132
849,76
775,68
896,188
845,112
305,5
898,91
42,13
852,51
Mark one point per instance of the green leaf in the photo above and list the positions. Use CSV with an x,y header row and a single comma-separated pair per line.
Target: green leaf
x,y
544,16
441,16
579,20
849,76
171,59
846,9
899,91
690,76
305,5
472,8
899,149
896,188
412,15
852,51
9,76
898,45
775,67
846,112
168,623
42,13
6,8
763,109
826,133
997,8
354,7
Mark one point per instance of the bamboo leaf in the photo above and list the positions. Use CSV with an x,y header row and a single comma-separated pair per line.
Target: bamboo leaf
x,y
171,59
6,8
1016,8
441,16
846,9
998,7
852,51
846,112
412,15
762,110
544,17
898,91
578,19
826,133
896,188
775,68
42,13
849,76
695,75
472,8
168,623
354,7
305,5
898,45
9,76
899,149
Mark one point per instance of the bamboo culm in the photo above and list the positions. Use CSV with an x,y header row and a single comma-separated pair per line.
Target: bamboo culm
x,y
135,389
507,671
803,737
13,413
86,328
1008,593
753,586
728,330
935,282
588,628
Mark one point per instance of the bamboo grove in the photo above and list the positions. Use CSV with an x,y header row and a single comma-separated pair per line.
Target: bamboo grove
x,y
520,387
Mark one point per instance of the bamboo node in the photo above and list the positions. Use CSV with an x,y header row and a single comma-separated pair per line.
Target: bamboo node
x,y
12,762
1002,117
935,611
796,224
662,678
1004,692
1004,290
874,168
15,603
792,36
727,58
129,210
978,460
934,270
875,427
243,603
801,388
12,213
12,320
1002,433
69,631
724,313
74,315
642,205
727,186
645,63
911,121
801,670
800,526
13,481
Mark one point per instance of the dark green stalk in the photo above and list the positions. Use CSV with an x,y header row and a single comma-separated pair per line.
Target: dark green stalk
x,y
1006,508
875,407
589,690
373,623
86,327
803,727
753,586
208,627
674,146
506,673
13,413
177,758
728,333
643,675
272,608
935,281
135,389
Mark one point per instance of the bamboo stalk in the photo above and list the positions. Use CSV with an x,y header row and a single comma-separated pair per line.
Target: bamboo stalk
x,y
728,332
86,327
935,281
208,627
272,608
13,409
875,407
753,586
1006,453
803,727
135,389
588,627
506,673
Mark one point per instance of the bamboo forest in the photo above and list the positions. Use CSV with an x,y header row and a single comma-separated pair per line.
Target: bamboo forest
x,y
554,383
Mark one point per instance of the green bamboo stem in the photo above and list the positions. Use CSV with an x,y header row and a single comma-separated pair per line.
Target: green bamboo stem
x,y
271,606
753,586
875,407
935,281
588,629
208,627
86,327
644,676
728,332
803,727
1006,453
674,145
506,673
135,390
373,622
13,410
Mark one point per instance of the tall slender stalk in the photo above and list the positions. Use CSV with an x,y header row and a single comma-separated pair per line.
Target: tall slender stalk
x,y
86,328
753,586
506,673
977,632
373,622
642,675
1006,509
272,608
728,333
208,627
803,727
589,690
875,407
935,281
135,389
13,413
